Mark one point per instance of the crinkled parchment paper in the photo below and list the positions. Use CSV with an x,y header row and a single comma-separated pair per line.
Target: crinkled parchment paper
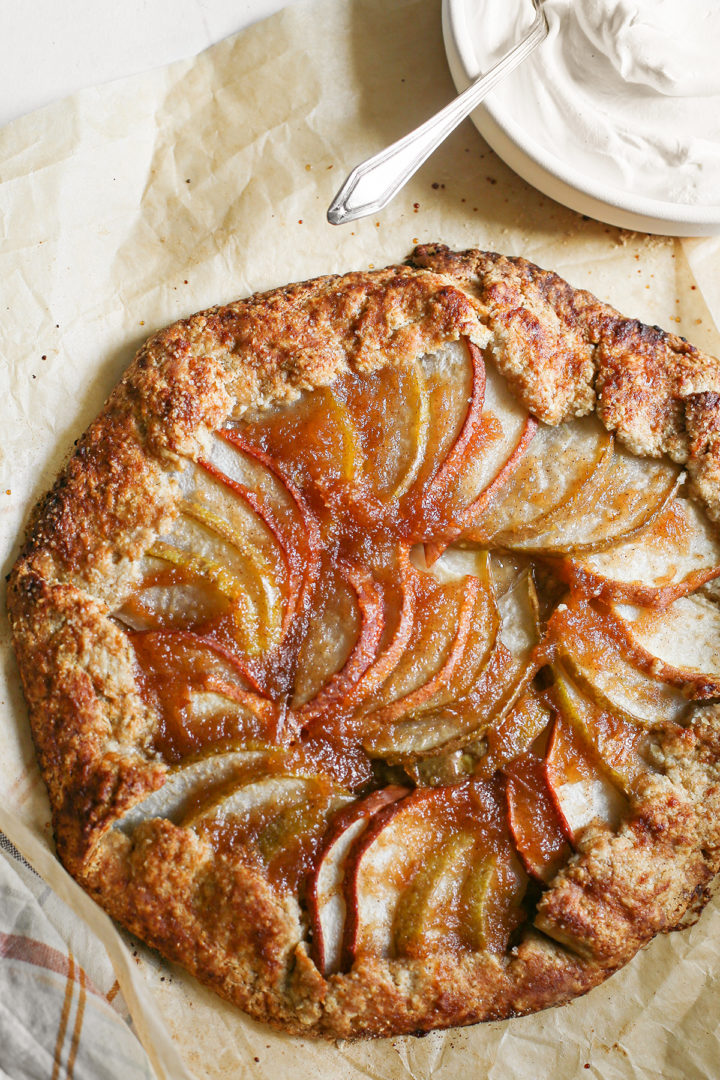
x,y
124,208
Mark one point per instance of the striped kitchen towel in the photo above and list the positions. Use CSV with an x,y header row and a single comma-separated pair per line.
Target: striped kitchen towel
x,y
62,1016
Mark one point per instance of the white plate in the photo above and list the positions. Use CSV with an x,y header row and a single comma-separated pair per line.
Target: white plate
x,y
543,170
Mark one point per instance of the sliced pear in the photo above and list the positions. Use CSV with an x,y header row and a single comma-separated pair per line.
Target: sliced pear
x,y
379,866
536,825
582,792
423,919
186,782
402,898
502,437
287,497
227,584
515,733
508,671
398,624
324,892
679,643
633,492
364,651
615,740
596,657
551,475
420,432
456,460
677,553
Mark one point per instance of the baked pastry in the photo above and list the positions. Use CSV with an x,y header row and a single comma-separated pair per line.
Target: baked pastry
x,y
371,648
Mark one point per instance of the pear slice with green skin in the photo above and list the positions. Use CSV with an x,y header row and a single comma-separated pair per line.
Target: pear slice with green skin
x,y
186,781
593,650
420,436
427,909
294,823
614,739
218,577
580,787
256,798
261,573
477,891
673,556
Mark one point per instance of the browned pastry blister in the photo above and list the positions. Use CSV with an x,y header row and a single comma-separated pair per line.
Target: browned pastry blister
x,y
371,647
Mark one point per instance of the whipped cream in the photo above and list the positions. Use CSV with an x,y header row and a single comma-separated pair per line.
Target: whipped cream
x,y
627,91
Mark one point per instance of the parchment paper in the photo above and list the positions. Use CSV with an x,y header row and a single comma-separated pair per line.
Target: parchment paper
x,y
124,208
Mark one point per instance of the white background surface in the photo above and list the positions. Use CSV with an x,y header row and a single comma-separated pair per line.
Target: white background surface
x,y
50,48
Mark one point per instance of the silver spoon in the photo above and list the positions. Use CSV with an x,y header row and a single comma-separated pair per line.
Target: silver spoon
x,y
373,183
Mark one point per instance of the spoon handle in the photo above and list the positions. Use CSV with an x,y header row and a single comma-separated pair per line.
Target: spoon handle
x,y
373,183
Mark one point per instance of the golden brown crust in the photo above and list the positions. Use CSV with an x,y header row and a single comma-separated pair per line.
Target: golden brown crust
x,y
563,353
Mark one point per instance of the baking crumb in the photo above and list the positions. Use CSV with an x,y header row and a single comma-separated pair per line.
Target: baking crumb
x,y
698,321
256,1059
435,186
8,491
329,166
491,180
43,357
377,224
308,168
187,181
185,281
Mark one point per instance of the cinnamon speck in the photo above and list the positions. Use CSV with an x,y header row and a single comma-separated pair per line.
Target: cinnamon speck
x,y
43,357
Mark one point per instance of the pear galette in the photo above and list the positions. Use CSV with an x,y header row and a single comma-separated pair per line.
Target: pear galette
x,y
371,644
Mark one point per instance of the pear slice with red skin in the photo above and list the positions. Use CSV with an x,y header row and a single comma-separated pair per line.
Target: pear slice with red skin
x,y
509,670
501,438
310,531
536,825
679,643
594,650
364,652
391,651
324,891
677,553
435,688
557,466
456,457
579,786
392,852
262,507
468,517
